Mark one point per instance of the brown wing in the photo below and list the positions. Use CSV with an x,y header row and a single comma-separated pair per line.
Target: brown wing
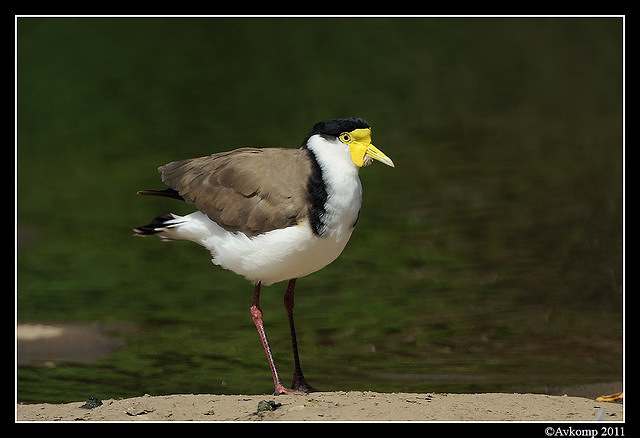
x,y
250,190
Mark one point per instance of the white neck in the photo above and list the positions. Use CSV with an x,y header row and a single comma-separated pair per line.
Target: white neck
x,y
344,190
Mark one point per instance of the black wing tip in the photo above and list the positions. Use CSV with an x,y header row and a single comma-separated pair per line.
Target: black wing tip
x,y
167,193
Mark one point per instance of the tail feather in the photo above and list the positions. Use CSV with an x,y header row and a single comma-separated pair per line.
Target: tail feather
x,y
157,225
162,222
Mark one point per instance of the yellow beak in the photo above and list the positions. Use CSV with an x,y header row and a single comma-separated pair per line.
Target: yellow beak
x,y
376,154
362,151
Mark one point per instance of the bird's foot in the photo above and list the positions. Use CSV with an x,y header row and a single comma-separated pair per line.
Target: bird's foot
x,y
300,383
281,389
300,386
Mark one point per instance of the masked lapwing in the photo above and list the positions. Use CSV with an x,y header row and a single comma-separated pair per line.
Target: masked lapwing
x,y
272,214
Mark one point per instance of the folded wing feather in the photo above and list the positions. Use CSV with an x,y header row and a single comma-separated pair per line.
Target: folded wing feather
x,y
250,190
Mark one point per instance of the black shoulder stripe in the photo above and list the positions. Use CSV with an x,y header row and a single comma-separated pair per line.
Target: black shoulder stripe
x,y
317,197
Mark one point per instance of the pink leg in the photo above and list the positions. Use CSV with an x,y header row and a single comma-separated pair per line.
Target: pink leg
x,y
256,314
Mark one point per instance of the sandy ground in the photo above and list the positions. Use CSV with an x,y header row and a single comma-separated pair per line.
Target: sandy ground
x,y
41,344
332,406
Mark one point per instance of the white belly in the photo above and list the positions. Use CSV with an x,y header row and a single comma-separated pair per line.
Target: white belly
x,y
275,256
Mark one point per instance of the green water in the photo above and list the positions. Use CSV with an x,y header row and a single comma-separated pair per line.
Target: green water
x,y
489,259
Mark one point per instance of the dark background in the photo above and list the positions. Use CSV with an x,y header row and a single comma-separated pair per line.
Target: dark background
x,y
489,259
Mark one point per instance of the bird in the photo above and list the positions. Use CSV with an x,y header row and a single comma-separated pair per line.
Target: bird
x,y
272,214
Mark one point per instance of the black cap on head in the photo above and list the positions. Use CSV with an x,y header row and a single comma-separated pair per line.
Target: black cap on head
x,y
337,126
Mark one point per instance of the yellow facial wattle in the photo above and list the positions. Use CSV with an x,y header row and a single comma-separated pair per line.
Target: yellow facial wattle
x,y
362,151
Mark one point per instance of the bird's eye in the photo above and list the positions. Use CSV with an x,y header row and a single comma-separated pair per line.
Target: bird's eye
x,y
345,137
